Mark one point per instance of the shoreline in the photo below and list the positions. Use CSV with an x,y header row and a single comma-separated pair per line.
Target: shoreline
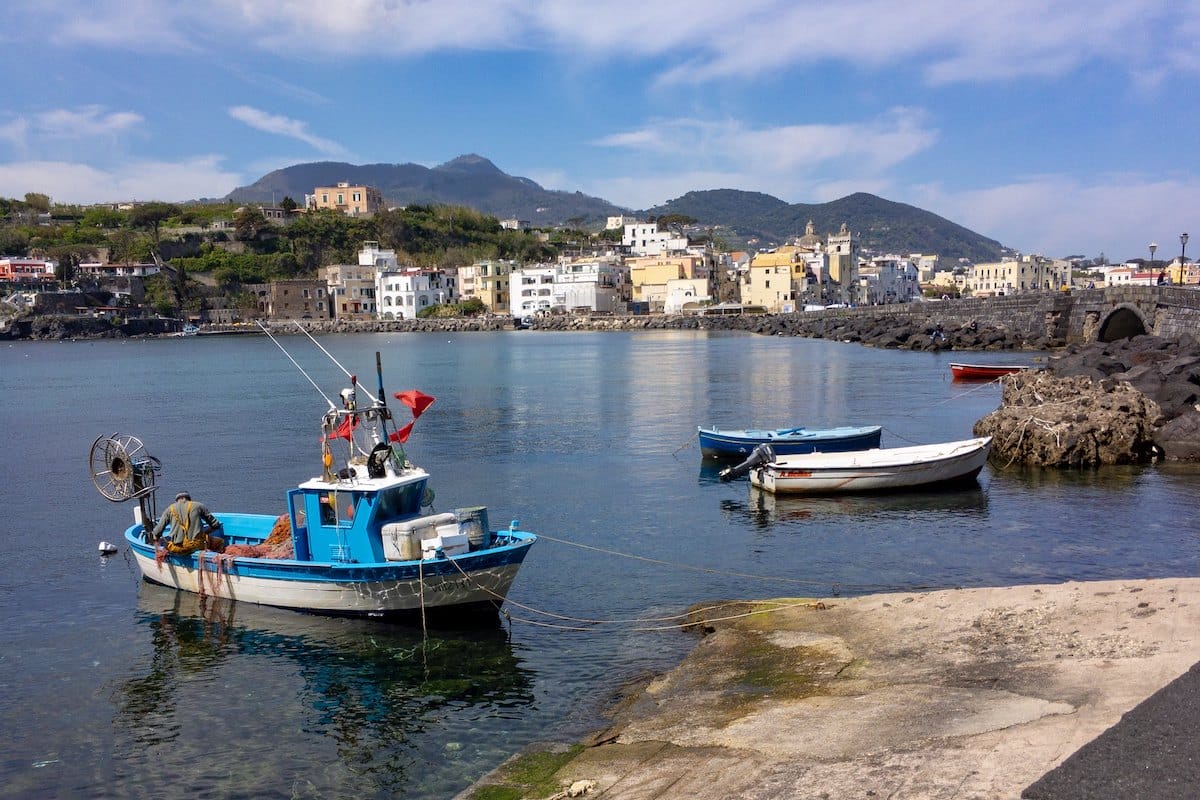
x,y
952,693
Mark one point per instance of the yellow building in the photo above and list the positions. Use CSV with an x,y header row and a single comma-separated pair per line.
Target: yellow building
x,y
775,278
353,201
649,276
488,281
351,290
1029,273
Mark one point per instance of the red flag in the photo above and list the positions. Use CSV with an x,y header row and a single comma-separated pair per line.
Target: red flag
x,y
418,402
402,434
346,429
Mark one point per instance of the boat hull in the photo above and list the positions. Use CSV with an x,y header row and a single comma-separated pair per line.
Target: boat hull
x,y
732,444
874,470
984,372
471,580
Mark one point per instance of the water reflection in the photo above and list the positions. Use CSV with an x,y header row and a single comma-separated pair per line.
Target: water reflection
x,y
764,509
366,689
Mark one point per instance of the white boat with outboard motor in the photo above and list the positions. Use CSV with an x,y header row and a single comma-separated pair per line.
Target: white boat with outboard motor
x,y
360,538
874,470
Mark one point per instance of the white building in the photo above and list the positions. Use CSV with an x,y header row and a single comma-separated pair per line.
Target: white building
x,y
686,295
402,293
645,239
594,284
101,271
372,255
890,279
531,290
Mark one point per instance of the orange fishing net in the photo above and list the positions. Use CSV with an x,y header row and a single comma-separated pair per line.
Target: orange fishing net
x,y
277,545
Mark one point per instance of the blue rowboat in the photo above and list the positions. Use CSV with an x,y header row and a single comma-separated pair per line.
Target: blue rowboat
x,y
715,443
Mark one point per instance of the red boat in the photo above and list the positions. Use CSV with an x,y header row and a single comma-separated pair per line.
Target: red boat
x,y
985,372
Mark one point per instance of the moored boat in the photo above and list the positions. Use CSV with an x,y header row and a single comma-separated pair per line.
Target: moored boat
x,y
985,372
360,538
728,444
885,469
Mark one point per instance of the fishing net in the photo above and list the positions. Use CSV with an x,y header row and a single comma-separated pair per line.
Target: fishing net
x,y
277,545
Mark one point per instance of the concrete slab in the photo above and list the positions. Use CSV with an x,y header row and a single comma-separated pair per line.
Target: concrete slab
x,y
950,694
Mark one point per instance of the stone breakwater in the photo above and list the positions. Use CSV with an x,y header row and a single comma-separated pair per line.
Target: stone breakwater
x,y
917,328
885,329
1120,402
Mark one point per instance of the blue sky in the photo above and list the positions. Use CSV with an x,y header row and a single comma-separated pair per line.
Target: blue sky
x,y
1056,128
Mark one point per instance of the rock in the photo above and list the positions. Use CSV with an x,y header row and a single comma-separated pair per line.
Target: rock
x,y
1179,439
1073,421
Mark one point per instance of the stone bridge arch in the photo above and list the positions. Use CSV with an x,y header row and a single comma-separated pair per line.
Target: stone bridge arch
x,y
1123,322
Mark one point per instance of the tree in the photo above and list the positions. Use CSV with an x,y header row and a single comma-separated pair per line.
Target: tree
x,y
38,202
149,216
675,222
248,223
69,257
288,204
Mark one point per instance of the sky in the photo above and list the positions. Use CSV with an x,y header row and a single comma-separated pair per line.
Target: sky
x,y
1065,128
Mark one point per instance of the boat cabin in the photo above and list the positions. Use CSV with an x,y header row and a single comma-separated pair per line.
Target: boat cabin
x,y
341,520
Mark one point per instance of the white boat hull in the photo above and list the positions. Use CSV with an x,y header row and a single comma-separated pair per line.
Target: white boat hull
x,y
357,597
873,470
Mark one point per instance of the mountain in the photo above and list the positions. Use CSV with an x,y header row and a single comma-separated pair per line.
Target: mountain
x,y
743,219
882,225
468,180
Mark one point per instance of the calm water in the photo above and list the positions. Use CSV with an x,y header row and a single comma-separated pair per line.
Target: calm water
x,y
110,686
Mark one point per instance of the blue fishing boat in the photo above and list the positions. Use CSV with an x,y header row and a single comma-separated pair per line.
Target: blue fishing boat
x,y
716,443
359,538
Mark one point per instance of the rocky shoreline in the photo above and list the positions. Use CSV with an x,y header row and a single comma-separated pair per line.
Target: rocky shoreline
x,y
884,329
1128,401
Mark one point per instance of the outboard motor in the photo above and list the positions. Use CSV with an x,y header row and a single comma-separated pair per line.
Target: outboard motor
x,y
763,454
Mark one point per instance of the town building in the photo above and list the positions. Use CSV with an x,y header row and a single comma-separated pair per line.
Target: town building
x,y
354,201
649,276
403,292
351,289
776,278
27,271
1027,273
599,284
532,291
101,271
297,299
645,239
889,279
488,281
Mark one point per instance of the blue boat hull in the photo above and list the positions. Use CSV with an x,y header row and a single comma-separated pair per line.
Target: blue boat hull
x,y
734,444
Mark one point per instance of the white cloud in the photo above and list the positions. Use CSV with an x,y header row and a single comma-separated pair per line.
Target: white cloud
x,y
948,40
789,162
67,182
285,126
1057,215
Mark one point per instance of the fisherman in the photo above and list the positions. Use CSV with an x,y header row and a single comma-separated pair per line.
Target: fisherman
x,y
192,526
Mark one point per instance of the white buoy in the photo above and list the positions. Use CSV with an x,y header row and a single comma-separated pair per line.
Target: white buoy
x,y
108,548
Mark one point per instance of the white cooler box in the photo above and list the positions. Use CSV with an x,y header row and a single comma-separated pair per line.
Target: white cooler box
x,y
450,538
405,541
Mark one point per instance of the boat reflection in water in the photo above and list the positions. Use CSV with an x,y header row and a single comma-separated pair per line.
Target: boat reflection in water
x,y
765,508
367,690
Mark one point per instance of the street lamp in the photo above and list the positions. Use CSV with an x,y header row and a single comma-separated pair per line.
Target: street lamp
x,y
1183,237
1153,247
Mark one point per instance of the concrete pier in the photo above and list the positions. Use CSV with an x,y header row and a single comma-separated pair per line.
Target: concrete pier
x,y
977,693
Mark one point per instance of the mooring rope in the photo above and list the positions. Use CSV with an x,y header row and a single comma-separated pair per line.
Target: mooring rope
x,y
591,624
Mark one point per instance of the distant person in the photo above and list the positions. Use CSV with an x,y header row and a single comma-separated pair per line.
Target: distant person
x,y
192,527
1162,278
